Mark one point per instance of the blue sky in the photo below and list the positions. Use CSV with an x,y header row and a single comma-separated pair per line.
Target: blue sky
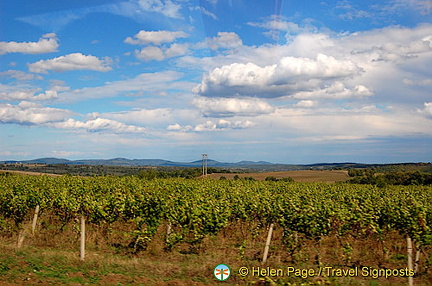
x,y
280,81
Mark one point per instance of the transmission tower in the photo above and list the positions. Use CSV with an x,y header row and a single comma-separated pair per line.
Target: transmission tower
x,y
204,164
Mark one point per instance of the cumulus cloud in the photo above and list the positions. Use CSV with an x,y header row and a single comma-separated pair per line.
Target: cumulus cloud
x,y
395,51
28,113
31,113
427,109
46,44
18,94
219,107
76,61
155,37
210,125
223,40
290,74
98,125
392,43
305,104
223,124
152,53
178,127
335,91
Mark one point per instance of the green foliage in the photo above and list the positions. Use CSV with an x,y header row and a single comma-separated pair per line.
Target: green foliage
x,y
199,208
153,173
368,176
274,179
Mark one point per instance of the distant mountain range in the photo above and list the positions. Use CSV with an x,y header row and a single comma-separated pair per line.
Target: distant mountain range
x,y
133,162
259,165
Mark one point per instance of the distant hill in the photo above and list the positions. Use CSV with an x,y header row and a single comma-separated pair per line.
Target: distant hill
x,y
137,162
242,165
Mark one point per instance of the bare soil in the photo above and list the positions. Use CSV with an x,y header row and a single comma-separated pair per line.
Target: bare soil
x,y
298,176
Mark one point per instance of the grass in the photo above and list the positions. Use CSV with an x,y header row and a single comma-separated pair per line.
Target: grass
x,y
54,260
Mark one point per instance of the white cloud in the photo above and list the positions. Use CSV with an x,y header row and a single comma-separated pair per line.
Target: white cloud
x,y
178,127
427,110
350,12
142,116
210,125
223,124
305,104
335,91
48,94
362,122
223,40
28,113
217,107
276,24
204,11
144,84
31,113
176,50
424,7
46,44
393,51
58,85
165,7
137,10
21,76
398,42
98,125
155,37
288,75
152,53
13,93
76,61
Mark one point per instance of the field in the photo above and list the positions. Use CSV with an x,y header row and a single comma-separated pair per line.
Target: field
x,y
28,173
298,176
175,231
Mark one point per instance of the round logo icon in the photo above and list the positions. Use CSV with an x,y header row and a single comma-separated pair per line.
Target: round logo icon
x,y
222,272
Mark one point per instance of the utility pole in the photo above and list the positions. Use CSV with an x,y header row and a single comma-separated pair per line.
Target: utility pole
x,y
204,164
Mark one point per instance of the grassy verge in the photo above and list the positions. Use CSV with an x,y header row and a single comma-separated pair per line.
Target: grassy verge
x,y
45,260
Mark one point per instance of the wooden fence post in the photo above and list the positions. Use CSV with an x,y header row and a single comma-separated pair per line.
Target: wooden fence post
x,y
267,245
82,246
410,260
35,217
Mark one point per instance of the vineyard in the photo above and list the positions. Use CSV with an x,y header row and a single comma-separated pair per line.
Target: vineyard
x,y
186,213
